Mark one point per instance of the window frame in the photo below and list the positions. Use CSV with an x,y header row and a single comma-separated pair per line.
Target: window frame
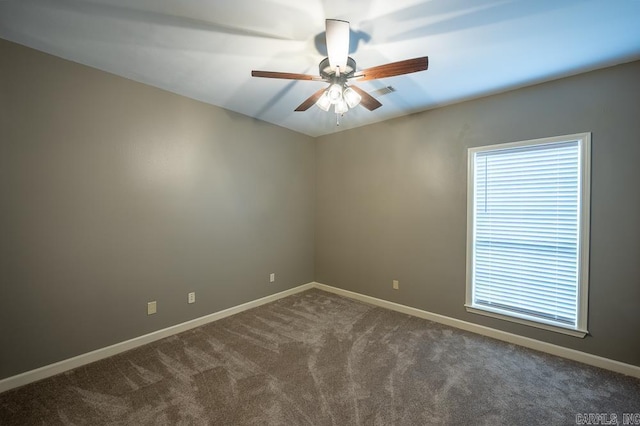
x,y
584,223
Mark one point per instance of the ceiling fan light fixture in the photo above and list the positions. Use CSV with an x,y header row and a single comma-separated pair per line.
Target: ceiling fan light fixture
x,y
323,102
351,97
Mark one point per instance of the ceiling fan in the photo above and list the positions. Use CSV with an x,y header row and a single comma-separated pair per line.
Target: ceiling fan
x,y
338,69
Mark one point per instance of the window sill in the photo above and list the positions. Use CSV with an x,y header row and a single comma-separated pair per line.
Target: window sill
x,y
498,314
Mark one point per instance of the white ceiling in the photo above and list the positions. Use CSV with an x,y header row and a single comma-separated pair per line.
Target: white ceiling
x,y
206,49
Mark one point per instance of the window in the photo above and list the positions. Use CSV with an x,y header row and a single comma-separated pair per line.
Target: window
x,y
528,232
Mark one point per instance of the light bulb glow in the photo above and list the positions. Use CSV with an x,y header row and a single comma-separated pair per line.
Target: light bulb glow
x,y
352,97
323,102
335,93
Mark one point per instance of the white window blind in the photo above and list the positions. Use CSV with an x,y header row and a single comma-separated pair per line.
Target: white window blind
x,y
526,231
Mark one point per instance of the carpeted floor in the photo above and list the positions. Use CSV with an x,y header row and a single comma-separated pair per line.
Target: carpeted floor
x,y
315,358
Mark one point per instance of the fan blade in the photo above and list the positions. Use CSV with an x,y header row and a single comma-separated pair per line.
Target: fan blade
x,y
286,75
310,100
367,101
395,68
337,33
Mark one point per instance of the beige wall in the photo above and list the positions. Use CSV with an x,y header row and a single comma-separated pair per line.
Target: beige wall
x,y
391,201
115,193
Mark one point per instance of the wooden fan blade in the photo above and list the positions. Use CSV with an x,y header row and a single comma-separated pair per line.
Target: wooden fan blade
x,y
285,75
368,101
310,100
395,68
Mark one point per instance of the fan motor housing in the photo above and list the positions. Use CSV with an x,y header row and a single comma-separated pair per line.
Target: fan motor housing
x,y
328,73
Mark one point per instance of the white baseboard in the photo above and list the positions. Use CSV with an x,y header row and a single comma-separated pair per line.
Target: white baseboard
x,y
572,354
89,357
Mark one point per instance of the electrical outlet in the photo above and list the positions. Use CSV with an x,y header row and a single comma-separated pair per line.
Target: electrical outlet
x,y
192,297
396,284
152,308
272,277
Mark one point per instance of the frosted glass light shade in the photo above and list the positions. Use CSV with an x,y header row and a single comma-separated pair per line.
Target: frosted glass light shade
x,y
341,106
352,97
335,93
323,102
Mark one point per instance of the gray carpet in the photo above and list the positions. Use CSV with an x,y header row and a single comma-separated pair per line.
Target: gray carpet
x,y
319,359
